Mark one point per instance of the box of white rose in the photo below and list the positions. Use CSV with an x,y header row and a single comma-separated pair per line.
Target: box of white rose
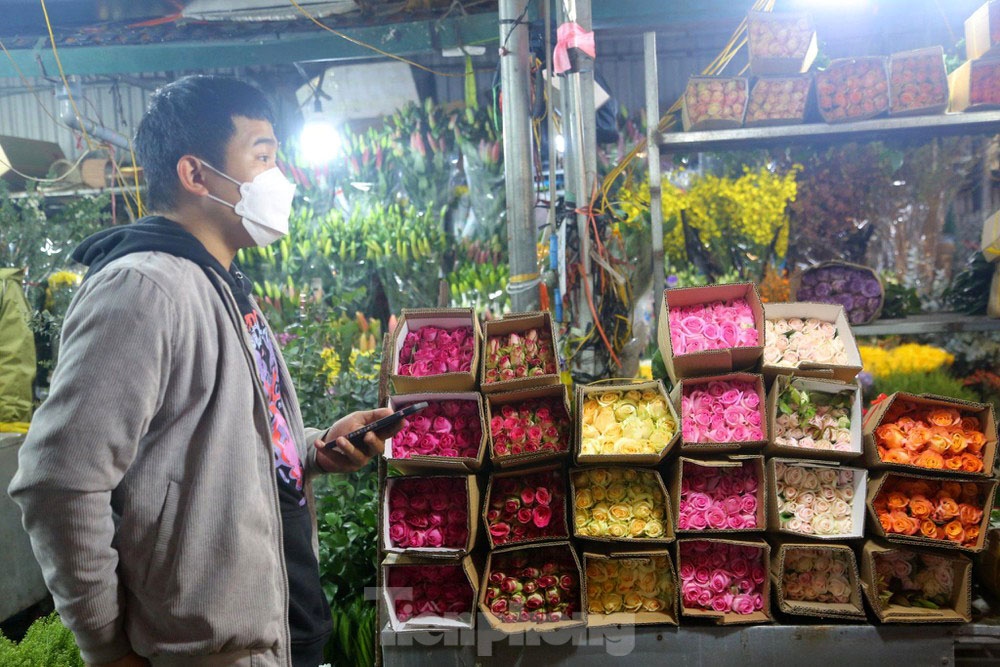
x,y
647,449
616,504
520,324
635,587
432,375
757,617
840,579
435,595
422,515
709,362
722,463
768,55
833,499
707,447
405,461
891,606
556,518
778,445
535,450
823,369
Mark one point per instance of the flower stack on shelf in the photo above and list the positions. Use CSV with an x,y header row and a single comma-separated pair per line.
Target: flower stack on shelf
x,y
974,85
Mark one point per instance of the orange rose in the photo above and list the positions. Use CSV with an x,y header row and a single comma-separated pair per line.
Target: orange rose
x,y
880,505
950,489
958,442
894,455
954,531
971,535
917,438
885,519
898,501
928,529
970,492
970,463
920,507
969,515
970,423
953,463
944,417
947,509
930,459
939,440
975,441
890,435
906,423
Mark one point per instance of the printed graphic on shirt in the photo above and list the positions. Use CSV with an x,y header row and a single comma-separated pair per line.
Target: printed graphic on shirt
x,y
286,457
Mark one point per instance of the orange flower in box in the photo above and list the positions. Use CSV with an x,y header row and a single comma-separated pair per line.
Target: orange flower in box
x,y
935,438
947,511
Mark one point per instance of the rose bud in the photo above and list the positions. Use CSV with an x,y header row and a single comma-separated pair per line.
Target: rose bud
x,y
510,585
547,581
534,601
531,573
553,596
530,587
499,606
567,582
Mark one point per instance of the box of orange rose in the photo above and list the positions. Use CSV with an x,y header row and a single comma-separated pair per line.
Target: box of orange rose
x,y
530,426
619,504
435,349
633,423
725,580
724,413
725,494
931,433
519,352
635,587
447,436
912,585
819,580
423,595
928,511
525,506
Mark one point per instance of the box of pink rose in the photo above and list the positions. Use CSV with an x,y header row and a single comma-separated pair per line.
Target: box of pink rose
x,y
914,585
711,330
624,422
529,426
816,499
432,516
435,349
724,413
533,588
809,340
781,43
620,504
725,580
526,506
519,353
819,580
424,595
447,436
634,587
724,494
814,419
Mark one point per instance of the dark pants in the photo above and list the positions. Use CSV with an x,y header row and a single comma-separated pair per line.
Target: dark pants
x,y
308,655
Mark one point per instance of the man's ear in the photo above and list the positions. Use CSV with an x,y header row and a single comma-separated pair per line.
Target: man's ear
x,y
191,175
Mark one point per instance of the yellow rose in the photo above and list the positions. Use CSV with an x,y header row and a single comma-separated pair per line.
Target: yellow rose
x,y
652,604
589,432
595,605
636,527
599,512
617,530
584,499
632,602
613,432
649,395
633,395
666,424
605,419
612,603
653,528
589,447
580,520
616,492
620,512
658,513
660,437
608,398
637,428
648,583
632,475
615,475
596,572
630,447
657,409
600,477
589,411
642,510
607,586
659,565
625,577
624,411
599,493
596,529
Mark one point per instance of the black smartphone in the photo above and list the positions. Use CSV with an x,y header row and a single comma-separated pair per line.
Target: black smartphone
x,y
356,438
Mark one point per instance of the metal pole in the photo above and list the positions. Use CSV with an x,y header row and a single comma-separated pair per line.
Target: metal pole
x,y
653,152
517,168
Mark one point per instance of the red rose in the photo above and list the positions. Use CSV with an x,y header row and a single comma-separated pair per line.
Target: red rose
x,y
534,601
567,582
527,496
434,537
517,434
535,434
510,585
418,520
435,518
541,515
547,581
553,596
521,372
531,572
397,534
542,496
440,502
511,506
499,606
524,515
496,426
508,411
543,413
496,577
416,539
530,587
492,515
500,531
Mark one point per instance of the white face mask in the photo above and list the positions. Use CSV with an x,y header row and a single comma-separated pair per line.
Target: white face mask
x,y
265,204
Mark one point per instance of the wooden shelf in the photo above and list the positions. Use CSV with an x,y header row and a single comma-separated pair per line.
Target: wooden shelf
x,y
928,324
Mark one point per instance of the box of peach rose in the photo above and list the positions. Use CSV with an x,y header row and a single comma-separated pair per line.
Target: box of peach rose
x,y
423,595
814,419
530,426
435,349
447,436
725,413
819,580
913,585
719,495
635,587
781,43
430,516
519,353
725,580
816,499
632,423
714,103
809,340
920,433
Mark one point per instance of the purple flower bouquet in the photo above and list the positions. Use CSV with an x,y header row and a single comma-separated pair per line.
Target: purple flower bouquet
x,y
856,288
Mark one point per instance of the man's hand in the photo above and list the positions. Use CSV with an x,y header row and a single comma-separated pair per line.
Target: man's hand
x,y
340,455
131,660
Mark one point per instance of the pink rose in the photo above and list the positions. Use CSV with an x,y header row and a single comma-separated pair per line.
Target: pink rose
x,y
434,537
743,604
397,534
500,531
719,582
527,496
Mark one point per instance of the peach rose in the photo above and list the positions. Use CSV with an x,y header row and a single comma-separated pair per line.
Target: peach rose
x,y
890,435
944,417
955,531
920,507
930,459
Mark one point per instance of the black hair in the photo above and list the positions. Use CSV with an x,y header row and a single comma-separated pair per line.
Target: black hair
x,y
191,116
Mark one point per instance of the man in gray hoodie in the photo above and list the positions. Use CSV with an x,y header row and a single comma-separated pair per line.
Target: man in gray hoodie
x,y
165,482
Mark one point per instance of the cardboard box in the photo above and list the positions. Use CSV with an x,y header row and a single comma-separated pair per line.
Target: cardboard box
x,y
519,322
838,103
857,503
709,362
825,312
28,156
494,404
719,119
445,318
722,447
677,478
821,386
564,551
877,480
557,514
974,86
982,31
426,464
464,621
988,563
931,61
799,293
990,240
472,499
982,411
651,477
582,392
852,609
631,560
792,95
961,599
761,61
729,618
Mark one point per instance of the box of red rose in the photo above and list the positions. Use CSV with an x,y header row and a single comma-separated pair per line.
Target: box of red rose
x,y
809,340
725,413
852,89
855,287
975,86
816,499
719,495
533,588
982,31
525,506
630,588
447,436
711,330
714,103
530,426
520,353
782,100
633,423
724,580
435,349
816,580
933,434
911,585
619,504
930,511
423,595
918,82
781,43
814,419
432,516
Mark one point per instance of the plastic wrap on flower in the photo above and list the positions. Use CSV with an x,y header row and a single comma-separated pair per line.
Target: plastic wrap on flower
x,y
422,596
723,411
793,341
632,588
526,507
911,586
447,433
613,503
428,514
819,500
712,326
728,580
531,425
722,495
856,288
616,422
815,420
539,585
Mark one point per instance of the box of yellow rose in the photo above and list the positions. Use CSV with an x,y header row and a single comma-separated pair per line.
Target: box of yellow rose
x,y
743,575
819,366
525,506
408,377
779,433
629,588
407,460
544,436
619,504
633,423
793,574
912,444
500,372
817,499
690,386
702,489
716,361
958,606
424,595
